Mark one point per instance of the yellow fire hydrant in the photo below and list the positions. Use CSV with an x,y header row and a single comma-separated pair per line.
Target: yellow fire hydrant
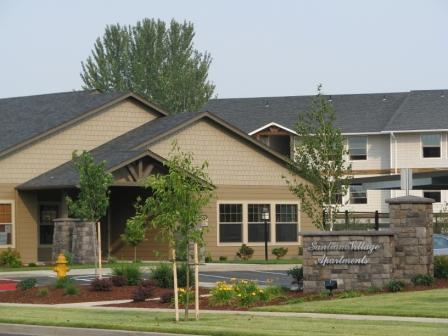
x,y
61,267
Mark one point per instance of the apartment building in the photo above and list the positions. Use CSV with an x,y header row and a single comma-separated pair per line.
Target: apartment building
x,y
384,132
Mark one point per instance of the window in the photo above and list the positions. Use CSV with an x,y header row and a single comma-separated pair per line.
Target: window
x,y
431,145
230,223
6,223
255,222
46,225
435,195
286,222
358,195
357,147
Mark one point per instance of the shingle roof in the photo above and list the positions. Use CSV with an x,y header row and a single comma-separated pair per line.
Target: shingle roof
x,y
114,152
421,110
25,118
355,113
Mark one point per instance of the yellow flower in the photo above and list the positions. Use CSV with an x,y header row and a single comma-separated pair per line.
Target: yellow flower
x,y
253,293
239,295
261,291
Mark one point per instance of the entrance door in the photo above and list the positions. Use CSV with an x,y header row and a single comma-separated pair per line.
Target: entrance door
x,y
47,213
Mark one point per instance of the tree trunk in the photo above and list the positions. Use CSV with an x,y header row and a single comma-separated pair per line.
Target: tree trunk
x,y
196,281
135,253
176,296
187,285
100,266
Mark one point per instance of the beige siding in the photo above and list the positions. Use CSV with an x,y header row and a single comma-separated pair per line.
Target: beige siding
x,y
231,162
378,154
56,149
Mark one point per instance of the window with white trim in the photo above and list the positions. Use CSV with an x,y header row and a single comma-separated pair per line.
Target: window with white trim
x,y
256,224
358,195
436,195
230,223
286,222
6,223
431,145
357,147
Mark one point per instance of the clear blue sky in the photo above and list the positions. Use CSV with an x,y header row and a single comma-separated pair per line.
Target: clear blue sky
x,y
259,48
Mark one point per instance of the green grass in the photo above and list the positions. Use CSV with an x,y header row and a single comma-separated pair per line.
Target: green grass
x,y
50,267
274,261
430,303
213,324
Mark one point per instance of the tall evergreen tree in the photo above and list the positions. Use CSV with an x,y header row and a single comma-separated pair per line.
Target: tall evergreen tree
x,y
158,62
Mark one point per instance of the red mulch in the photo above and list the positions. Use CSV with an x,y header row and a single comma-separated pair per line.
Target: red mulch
x,y
6,285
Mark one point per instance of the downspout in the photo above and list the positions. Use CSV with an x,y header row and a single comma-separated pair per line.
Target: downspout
x,y
394,158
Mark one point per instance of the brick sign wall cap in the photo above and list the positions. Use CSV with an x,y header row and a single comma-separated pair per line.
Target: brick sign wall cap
x,y
410,200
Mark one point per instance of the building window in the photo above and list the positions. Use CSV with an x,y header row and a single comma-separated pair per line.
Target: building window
x,y
255,223
358,195
286,222
431,145
230,223
47,214
6,223
435,195
357,147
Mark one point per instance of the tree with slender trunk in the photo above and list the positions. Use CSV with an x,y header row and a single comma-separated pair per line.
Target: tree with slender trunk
x,y
321,157
153,59
135,232
175,207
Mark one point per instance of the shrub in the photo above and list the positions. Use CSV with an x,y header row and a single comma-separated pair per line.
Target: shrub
x,y
10,258
101,285
141,293
441,267
163,276
42,292
166,298
325,293
71,290
64,282
69,257
300,251
112,260
222,258
132,273
247,292
422,280
32,264
272,292
245,252
119,280
395,285
183,296
26,284
350,294
208,258
221,294
296,273
279,252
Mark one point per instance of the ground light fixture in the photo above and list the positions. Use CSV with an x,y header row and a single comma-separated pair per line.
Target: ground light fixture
x,y
331,285
265,217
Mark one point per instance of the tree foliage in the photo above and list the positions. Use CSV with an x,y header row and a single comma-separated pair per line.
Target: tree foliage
x,y
158,62
320,156
94,182
135,232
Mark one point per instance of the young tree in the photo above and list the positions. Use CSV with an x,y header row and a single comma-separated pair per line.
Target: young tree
x,y
176,204
135,232
93,197
158,62
320,156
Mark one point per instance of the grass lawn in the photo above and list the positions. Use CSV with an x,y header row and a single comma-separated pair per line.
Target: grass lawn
x,y
83,266
430,303
213,324
274,261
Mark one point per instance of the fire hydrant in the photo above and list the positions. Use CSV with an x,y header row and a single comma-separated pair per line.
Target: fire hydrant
x,y
61,267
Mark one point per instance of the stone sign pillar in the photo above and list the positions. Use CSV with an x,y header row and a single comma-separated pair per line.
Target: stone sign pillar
x,y
62,236
411,222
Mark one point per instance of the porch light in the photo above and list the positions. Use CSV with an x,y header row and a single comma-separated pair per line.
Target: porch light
x,y
265,217
265,214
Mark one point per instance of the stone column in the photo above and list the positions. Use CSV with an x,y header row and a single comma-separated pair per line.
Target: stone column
x,y
411,222
84,242
62,236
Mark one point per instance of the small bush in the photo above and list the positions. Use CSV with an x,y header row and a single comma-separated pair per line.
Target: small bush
x,y
271,293
32,265
42,292
296,273
101,285
182,293
222,258
395,285
325,293
26,284
163,276
132,273
166,298
71,290
208,258
112,260
245,252
247,292
300,251
141,293
441,267
10,258
69,257
119,280
182,276
350,294
422,280
221,294
279,252
64,282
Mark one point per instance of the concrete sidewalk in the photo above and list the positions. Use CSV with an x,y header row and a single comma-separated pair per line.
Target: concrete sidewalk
x,y
252,313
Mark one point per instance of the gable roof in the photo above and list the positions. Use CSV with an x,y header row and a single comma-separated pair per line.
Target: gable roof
x,y
134,144
355,113
26,119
